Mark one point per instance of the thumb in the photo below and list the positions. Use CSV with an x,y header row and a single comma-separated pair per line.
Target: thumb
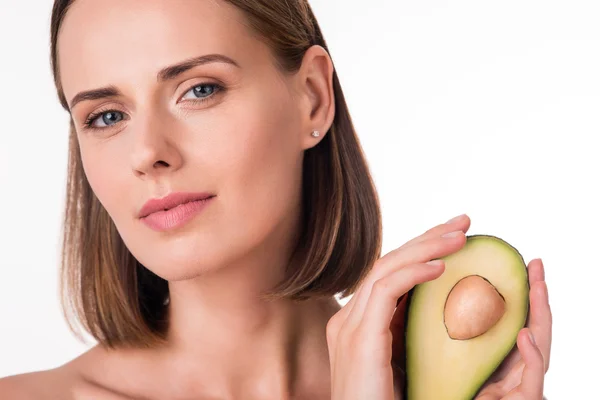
x,y
532,381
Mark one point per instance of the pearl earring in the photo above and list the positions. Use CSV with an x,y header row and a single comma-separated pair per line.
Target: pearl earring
x,y
315,134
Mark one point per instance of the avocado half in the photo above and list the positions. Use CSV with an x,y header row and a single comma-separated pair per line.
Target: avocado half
x,y
462,325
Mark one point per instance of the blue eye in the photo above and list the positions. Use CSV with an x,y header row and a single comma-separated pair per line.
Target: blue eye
x,y
107,117
204,91
201,93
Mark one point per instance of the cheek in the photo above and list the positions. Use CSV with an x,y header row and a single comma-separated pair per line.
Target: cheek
x,y
262,174
106,180
251,156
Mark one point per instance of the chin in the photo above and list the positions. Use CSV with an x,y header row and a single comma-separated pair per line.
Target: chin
x,y
185,265
179,259
174,269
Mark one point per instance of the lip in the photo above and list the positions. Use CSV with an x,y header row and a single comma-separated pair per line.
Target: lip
x,y
171,201
176,217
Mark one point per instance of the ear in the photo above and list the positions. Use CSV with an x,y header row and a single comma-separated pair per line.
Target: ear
x,y
317,98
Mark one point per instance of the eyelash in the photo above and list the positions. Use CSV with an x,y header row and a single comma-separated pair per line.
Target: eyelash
x,y
88,124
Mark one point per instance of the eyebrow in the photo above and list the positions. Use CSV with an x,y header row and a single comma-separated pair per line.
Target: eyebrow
x,y
165,74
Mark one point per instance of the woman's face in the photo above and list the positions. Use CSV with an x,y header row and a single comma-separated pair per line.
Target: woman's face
x,y
236,131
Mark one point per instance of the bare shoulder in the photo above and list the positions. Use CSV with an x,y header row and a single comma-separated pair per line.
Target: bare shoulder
x,y
67,382
50,384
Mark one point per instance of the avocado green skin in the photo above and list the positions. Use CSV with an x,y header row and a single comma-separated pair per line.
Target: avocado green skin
x,y
407,392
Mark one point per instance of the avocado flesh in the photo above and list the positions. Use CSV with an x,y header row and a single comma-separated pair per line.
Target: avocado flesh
x,y
441,368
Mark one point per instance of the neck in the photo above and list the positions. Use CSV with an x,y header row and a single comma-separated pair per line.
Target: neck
x,y
246,346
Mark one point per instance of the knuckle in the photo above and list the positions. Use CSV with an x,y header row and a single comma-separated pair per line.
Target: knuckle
x,y
438,229
335,318
414,275
435,245
377,268
380,287
380,264
333,325
431,232
330,331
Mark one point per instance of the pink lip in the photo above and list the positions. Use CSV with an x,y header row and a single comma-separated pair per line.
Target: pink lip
x,y
175,217
170,201
173,210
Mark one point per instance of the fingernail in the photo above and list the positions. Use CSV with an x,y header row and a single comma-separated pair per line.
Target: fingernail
x,y
531,337
452,234
455,219
435,263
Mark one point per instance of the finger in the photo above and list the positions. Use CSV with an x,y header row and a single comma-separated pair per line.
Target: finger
x,y
424,251
381,304
532,381
418,253
535,270
460,223
535,273
541,319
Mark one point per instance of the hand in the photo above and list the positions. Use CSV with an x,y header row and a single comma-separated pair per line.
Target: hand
x,y
521,374
359,337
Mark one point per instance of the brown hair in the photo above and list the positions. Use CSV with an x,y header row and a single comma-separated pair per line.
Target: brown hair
x,y
120,302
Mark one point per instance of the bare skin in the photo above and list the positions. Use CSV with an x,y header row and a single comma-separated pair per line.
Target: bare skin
x,y
245,144
162,374
362,337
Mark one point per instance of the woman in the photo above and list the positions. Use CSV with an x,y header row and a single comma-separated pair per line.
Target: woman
x,y
217,201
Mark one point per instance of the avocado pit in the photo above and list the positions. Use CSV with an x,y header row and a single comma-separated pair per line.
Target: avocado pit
x,y
472,308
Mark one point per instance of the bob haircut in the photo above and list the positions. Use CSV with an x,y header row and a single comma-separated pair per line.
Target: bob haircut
x,y
119,302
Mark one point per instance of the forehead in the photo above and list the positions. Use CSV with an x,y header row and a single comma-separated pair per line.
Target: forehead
x,y
104,42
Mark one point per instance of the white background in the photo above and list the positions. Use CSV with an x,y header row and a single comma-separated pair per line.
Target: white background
x,y
483,107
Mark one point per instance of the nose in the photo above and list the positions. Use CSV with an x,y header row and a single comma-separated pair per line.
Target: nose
x,y
154,150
